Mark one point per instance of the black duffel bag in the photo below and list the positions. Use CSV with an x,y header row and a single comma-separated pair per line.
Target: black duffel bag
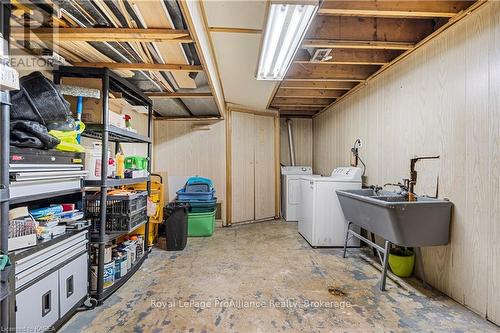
x,y
39,100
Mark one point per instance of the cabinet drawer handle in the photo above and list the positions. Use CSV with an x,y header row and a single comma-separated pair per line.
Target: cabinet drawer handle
x,y
70,287
46,303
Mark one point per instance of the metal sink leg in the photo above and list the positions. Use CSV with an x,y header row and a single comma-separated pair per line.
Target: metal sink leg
x,y
383,253
385,264
346,237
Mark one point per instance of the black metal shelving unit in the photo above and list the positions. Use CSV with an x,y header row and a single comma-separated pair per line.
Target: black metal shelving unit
x,y
4,159
108,133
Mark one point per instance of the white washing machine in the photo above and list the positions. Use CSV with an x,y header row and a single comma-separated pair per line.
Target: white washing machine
x,y
321,221
290,190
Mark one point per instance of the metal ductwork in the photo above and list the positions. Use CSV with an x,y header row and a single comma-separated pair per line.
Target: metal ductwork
x,y
291,147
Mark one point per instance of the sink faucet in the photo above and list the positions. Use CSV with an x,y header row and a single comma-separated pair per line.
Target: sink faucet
x,y
404,190
413,175
403,187
376,188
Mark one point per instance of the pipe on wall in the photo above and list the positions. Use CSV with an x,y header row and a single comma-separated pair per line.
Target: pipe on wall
x,y
291,147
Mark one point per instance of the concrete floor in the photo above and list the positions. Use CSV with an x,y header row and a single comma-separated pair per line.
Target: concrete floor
x,y
265,278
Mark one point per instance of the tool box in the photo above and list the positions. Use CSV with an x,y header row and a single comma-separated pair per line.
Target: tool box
x,y
37,171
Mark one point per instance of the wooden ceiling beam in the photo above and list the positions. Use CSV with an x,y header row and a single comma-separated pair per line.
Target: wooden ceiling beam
x,y
290,101
140,66
307,79
295,93
349,44
162,95
315,71
345,28
408,9
300,108
313,85
104,35
352,57
297,112
382,13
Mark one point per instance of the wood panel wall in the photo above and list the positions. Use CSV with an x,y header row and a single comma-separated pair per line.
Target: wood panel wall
x,y
444,99
183,148
303,141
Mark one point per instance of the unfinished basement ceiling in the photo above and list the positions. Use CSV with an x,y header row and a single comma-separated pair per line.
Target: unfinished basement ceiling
x,y
235,29
157,54
350,41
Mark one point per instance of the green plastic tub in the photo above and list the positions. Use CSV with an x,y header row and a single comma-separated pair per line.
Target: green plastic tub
x,y
402,264
201,224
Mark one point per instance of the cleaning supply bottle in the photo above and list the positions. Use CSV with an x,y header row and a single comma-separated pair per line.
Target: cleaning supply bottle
x,y
120,164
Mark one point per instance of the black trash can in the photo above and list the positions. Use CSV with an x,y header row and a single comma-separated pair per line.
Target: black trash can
x,y
176,228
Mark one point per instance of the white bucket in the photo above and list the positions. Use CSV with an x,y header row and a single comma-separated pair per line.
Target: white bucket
x,y
93,160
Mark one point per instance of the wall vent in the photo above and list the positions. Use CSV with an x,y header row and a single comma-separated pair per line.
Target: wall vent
x,y
321,55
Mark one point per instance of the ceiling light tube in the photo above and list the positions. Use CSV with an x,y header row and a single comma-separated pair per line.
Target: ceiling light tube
x,y
286,26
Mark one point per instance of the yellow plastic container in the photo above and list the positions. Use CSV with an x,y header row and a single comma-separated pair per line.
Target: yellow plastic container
x,y
156,197
120,165
402,265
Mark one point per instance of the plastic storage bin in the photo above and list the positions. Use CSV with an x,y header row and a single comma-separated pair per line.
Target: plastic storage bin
x,y
136,162
184,196
201,224
124,212
199,184
202,206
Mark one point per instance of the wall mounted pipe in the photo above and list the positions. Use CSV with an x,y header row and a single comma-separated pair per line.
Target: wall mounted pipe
x,y
291,147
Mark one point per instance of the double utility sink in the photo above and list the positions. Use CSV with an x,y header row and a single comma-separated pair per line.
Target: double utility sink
x,y
423,222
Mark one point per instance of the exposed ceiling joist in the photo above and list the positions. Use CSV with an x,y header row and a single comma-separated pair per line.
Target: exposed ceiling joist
x,y
352,57
145,67
346,28
412,9
348,44
178,95
283,101
381,13
294,112
104,35
297,112
300,108
313,71
308,79
314,85
309,93
309,106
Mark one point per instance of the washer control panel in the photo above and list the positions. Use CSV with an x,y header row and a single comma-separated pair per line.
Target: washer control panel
x,y
348,173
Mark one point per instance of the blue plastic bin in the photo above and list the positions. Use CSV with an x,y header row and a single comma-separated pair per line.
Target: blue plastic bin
x,y
198,184
182,195
203,206
200,180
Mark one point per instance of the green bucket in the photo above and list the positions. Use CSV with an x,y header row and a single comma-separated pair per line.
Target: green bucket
x,y
402,264
201,224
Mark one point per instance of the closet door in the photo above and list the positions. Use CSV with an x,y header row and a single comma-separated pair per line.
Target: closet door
x,y
264,168
242,166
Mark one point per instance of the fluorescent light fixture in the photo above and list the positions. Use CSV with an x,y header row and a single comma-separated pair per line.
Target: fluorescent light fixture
x,y
285,29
